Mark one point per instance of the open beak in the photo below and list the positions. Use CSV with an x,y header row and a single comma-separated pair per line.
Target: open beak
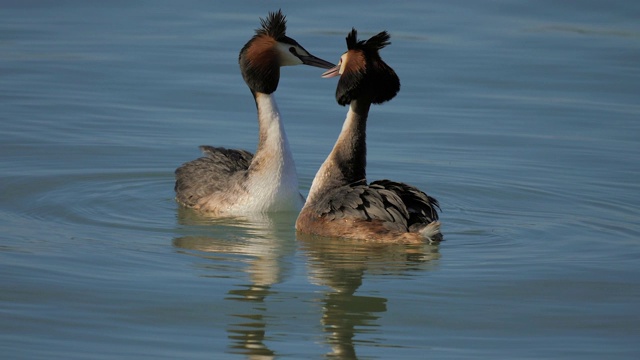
x,y
334,71
314,61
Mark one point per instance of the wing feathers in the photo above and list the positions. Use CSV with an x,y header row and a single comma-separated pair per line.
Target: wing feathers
x,y
399,206
213,172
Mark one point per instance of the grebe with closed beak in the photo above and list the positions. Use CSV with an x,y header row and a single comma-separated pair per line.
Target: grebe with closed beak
x,y
341,204
228,182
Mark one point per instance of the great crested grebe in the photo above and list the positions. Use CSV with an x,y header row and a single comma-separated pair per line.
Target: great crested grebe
x,y
235,182
340,202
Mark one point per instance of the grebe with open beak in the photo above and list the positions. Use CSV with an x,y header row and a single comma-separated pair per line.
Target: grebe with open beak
x,y
341,204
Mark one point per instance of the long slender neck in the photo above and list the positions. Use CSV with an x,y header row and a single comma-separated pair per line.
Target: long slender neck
x,y
346,164
273,154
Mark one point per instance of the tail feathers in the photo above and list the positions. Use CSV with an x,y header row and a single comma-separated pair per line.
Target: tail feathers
x,y
431,232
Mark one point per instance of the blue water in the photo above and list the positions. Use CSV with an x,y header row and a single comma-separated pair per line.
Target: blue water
x,y
520,117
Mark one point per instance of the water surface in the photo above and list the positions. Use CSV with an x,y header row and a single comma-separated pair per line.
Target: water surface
x,y
520,117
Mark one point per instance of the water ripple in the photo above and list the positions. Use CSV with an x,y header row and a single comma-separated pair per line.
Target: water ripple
x,y
126,200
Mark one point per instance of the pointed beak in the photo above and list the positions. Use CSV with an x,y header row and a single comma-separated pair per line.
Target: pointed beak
x,y
334,71
314,61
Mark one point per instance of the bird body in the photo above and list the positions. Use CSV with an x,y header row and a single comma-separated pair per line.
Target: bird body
x,y
235,182
341,203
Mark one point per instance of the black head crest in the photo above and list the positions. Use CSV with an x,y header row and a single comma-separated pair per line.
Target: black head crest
x,y
275,25
258,64
366,75
375,43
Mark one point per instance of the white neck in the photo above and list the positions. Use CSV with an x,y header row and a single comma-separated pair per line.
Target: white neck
x,y
272,182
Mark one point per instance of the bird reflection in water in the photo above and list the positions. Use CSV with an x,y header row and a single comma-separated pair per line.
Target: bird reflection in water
x,y
260,242
341,266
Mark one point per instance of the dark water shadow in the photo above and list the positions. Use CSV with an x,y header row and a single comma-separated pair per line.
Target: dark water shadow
x,y
342,265
259,243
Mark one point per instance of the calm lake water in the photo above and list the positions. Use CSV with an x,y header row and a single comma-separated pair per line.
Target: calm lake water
x,y
521,117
